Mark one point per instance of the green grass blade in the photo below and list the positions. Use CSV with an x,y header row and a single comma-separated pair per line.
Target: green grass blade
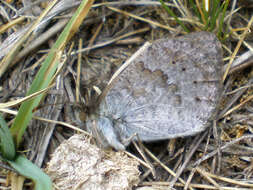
x,y
216,9
195,9
171,13
221,21
45,75
207,22
26,168
206,17
7,146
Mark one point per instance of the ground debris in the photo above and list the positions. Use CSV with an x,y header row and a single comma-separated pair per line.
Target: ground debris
x,y
77,164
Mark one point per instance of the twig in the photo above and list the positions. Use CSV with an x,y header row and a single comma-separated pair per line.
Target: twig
x,y
211,154
197,140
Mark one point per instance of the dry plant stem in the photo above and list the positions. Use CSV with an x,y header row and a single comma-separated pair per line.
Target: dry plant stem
x,y
117,30
48,120
139,160
183,6
79,60
123,3
5,27
70,112
239,89
70,61
58,137
112,41
237,150
26,98
40,40
237,48
93,38
60,7
190,21
238,106
141,152
180,7
4,14
146,174
189,178
195,144
201,12
217,143
140,2
241,66
68,87
240,61
211,154
134,40
22,10
155,164
232,10
10,6
6,61
209,179
239,29
7,167
228,180
17,181
165,167
171,147
35,65
178,153
207,144
233,100
143,19
193,185
239,36
176,168
54,112
69,68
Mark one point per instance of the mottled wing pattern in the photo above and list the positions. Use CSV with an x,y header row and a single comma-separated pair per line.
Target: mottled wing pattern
x,y
171,90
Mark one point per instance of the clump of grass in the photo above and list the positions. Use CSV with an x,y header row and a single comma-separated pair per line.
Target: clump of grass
x,y
208,15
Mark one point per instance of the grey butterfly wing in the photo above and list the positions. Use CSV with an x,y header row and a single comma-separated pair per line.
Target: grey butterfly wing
x,y
171,90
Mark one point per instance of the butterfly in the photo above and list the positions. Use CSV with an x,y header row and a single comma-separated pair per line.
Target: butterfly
x,y
169,88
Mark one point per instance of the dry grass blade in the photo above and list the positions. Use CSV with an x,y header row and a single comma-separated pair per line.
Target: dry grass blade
x,y
139,160
237,48
141,152
3,28
228,180
11,55
197,140
78,72
142,19
45,36
19,101
17,181
193,185
166,168
4,110
211,154
209,179
112,41
238,106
